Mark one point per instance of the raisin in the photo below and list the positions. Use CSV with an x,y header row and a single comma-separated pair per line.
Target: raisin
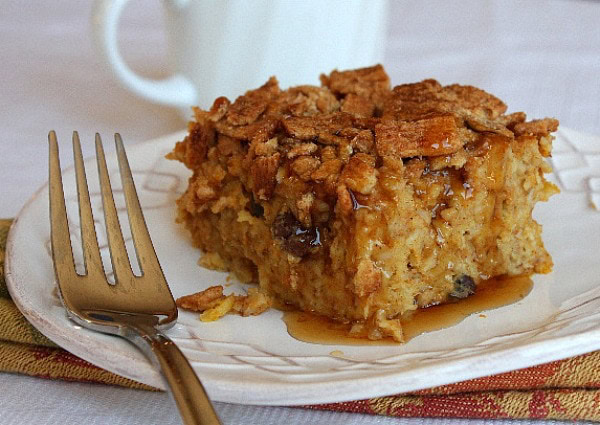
x,y
296,239
284,225
464,286
256,209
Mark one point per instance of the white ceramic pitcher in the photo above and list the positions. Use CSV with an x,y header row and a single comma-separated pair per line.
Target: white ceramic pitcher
x,y
225,47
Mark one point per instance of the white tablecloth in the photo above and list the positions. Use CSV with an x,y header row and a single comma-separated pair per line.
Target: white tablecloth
x,y
542,57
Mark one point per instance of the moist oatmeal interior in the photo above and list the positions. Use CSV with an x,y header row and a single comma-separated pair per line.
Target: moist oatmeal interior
x,y
362,202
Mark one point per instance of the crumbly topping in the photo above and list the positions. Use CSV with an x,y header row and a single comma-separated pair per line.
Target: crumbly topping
x,y
213,304
201,301
316,149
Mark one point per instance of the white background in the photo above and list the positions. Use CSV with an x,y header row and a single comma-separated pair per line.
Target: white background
x,y
542,57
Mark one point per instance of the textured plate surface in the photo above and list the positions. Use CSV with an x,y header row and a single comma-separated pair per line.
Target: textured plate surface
x,y
254,361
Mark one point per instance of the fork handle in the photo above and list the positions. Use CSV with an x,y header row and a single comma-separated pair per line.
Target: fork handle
x,y
189,394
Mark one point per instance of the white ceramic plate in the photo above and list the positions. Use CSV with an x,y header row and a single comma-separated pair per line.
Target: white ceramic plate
x,y
253,360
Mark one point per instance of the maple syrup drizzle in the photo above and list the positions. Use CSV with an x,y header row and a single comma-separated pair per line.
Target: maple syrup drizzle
x,y
490,294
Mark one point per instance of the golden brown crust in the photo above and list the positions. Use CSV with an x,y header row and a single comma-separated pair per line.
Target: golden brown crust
x,y
313,132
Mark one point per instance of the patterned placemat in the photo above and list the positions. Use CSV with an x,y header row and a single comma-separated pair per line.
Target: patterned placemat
x,y
566,389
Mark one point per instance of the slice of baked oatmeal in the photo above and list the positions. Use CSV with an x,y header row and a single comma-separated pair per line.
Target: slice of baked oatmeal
x,y
362,202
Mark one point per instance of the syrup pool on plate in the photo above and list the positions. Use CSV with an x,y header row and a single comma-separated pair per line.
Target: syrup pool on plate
x,y
491,294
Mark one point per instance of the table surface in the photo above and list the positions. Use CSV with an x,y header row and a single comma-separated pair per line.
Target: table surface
x,y
539,56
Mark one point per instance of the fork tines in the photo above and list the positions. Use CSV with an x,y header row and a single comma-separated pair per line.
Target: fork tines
x,y
61,245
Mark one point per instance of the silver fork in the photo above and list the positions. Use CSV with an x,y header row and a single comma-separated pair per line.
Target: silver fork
x,y
137,308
